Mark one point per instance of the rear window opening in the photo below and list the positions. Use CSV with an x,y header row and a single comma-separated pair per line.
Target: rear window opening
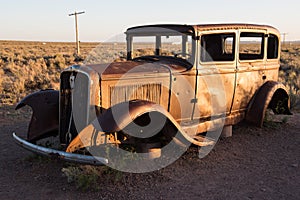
x,y
251,46
273,46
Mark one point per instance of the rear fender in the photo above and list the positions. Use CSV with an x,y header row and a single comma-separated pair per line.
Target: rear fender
x,y
45,118
271,95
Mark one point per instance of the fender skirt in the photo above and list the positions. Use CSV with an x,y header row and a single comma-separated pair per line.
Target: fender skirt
x,y
119,117
271,95
45,118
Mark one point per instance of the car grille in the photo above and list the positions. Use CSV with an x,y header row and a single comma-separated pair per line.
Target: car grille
x,y
76,109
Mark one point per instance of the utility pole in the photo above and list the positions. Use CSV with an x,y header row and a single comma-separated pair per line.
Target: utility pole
x,y
76,29
284,35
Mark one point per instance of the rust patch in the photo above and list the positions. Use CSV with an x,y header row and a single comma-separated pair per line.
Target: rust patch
x,y
261,101
148,92
44,120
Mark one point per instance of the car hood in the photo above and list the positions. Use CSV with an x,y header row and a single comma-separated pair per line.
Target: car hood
x,y
138,68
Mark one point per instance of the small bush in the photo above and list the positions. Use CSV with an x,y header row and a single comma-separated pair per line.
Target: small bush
x,y
84,177
87,177
295,101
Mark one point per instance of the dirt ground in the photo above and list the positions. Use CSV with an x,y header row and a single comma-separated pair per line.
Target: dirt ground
x,y
256,163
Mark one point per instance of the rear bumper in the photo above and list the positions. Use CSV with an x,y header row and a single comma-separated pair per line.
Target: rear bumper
x,y
70,157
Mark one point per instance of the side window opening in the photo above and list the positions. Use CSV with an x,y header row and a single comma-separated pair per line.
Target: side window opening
x,y
251,46
273,43
218,47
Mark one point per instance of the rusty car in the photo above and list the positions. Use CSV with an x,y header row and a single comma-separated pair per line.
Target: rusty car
x,y
185,80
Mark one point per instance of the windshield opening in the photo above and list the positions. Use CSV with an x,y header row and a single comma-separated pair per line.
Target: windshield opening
x,y
168,44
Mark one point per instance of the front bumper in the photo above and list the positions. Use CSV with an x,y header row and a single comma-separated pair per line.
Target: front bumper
x,y
70,157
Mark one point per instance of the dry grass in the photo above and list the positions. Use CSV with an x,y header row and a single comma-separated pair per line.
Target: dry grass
x,y
29,66
290,72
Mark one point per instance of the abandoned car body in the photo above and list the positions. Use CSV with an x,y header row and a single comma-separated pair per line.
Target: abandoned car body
x,y
220,71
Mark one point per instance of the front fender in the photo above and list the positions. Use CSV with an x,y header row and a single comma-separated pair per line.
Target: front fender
x,y
270,95
121,115
118,117
45,117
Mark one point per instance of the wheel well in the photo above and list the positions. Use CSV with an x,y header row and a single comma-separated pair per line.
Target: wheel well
x,y
162,127
280,102
153,121
271,95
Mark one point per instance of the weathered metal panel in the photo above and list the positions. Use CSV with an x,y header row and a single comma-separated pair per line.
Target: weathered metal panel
x,y
153,88
109,122
216,85
80,103
183,95
74,101
44,120
237,26
202,27
150,92
261,101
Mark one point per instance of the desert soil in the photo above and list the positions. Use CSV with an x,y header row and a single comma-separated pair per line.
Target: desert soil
x,y
256,163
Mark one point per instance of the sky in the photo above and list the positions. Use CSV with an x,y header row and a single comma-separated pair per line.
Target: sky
x,y
48,20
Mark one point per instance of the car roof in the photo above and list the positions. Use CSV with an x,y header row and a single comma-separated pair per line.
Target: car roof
x,y
187,29
192,29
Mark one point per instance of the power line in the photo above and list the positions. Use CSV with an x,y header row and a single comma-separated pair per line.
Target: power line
x,y
76,29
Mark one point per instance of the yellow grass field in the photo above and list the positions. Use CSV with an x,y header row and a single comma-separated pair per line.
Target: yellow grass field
x,y
29,66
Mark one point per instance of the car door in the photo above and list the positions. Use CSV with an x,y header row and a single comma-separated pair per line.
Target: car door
x,y
250,67
216,74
